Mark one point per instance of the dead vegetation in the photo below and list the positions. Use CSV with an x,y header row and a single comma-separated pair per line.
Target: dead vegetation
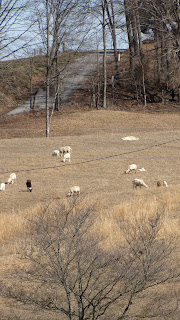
x,y
99,159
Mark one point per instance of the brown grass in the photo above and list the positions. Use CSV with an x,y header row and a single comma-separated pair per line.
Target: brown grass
x,y
96,136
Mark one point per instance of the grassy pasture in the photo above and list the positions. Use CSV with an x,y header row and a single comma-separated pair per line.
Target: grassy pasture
x,y
99,159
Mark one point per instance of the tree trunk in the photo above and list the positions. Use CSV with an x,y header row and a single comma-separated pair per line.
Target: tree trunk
x,y
134,30
158,54
113,35
130,39
47,73
104,55
57,84
138,25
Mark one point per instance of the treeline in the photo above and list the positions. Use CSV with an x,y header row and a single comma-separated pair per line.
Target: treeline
x,y
56,25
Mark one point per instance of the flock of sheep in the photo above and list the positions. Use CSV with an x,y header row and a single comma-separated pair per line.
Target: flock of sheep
x,y
11,180
65,153
139,182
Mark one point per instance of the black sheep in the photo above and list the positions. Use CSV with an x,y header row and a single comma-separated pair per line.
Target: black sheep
x,y
28,184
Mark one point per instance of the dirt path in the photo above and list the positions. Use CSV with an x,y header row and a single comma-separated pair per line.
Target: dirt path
x,y
72,77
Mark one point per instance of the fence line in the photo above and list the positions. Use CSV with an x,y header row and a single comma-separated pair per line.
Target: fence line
x,y
86,129
96,159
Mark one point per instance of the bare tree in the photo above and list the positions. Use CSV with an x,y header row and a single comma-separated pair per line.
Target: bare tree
x,y
163,19
68,268
70,263
149,265
58,23
104,54
14,26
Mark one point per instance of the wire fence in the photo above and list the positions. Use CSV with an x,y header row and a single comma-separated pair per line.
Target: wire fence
x,y
156,145
91,129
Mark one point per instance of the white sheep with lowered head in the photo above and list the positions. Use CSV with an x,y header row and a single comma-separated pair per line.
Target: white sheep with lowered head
x,y
12,178
66,149
132,167
165,184
139,183
67,156
74,191
2,186
56,153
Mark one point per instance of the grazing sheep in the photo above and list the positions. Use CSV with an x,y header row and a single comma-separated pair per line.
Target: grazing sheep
x,y
2,186
66,149
74,191
12,178
139,183
165,184
132,167
62,151
159,184
56,153
28,185
67,156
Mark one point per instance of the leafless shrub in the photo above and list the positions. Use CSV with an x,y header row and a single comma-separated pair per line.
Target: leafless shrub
x,y
68,268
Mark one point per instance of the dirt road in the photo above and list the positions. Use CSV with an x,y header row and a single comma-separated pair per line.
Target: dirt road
x,y
72,77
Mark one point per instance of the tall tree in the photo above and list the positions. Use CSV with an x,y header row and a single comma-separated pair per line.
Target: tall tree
x,y
58,21
163,18
112,26
104,54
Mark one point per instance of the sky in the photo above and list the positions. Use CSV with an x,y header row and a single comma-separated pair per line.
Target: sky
x,y
30,42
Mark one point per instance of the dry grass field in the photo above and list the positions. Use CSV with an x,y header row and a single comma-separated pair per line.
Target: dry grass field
x,y
99,159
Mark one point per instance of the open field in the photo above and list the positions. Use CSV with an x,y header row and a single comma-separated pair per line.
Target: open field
x,y
99,159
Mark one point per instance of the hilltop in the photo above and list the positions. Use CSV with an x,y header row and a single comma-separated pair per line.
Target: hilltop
x,y
18,75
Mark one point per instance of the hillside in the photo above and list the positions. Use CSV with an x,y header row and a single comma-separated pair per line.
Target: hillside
x,y
134,231
99,159
16,77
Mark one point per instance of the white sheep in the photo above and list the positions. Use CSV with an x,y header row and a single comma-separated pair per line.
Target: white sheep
x,y
12,178
67,156
66,149
74,191
2,186
165,184
139,183
132,167
56,153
